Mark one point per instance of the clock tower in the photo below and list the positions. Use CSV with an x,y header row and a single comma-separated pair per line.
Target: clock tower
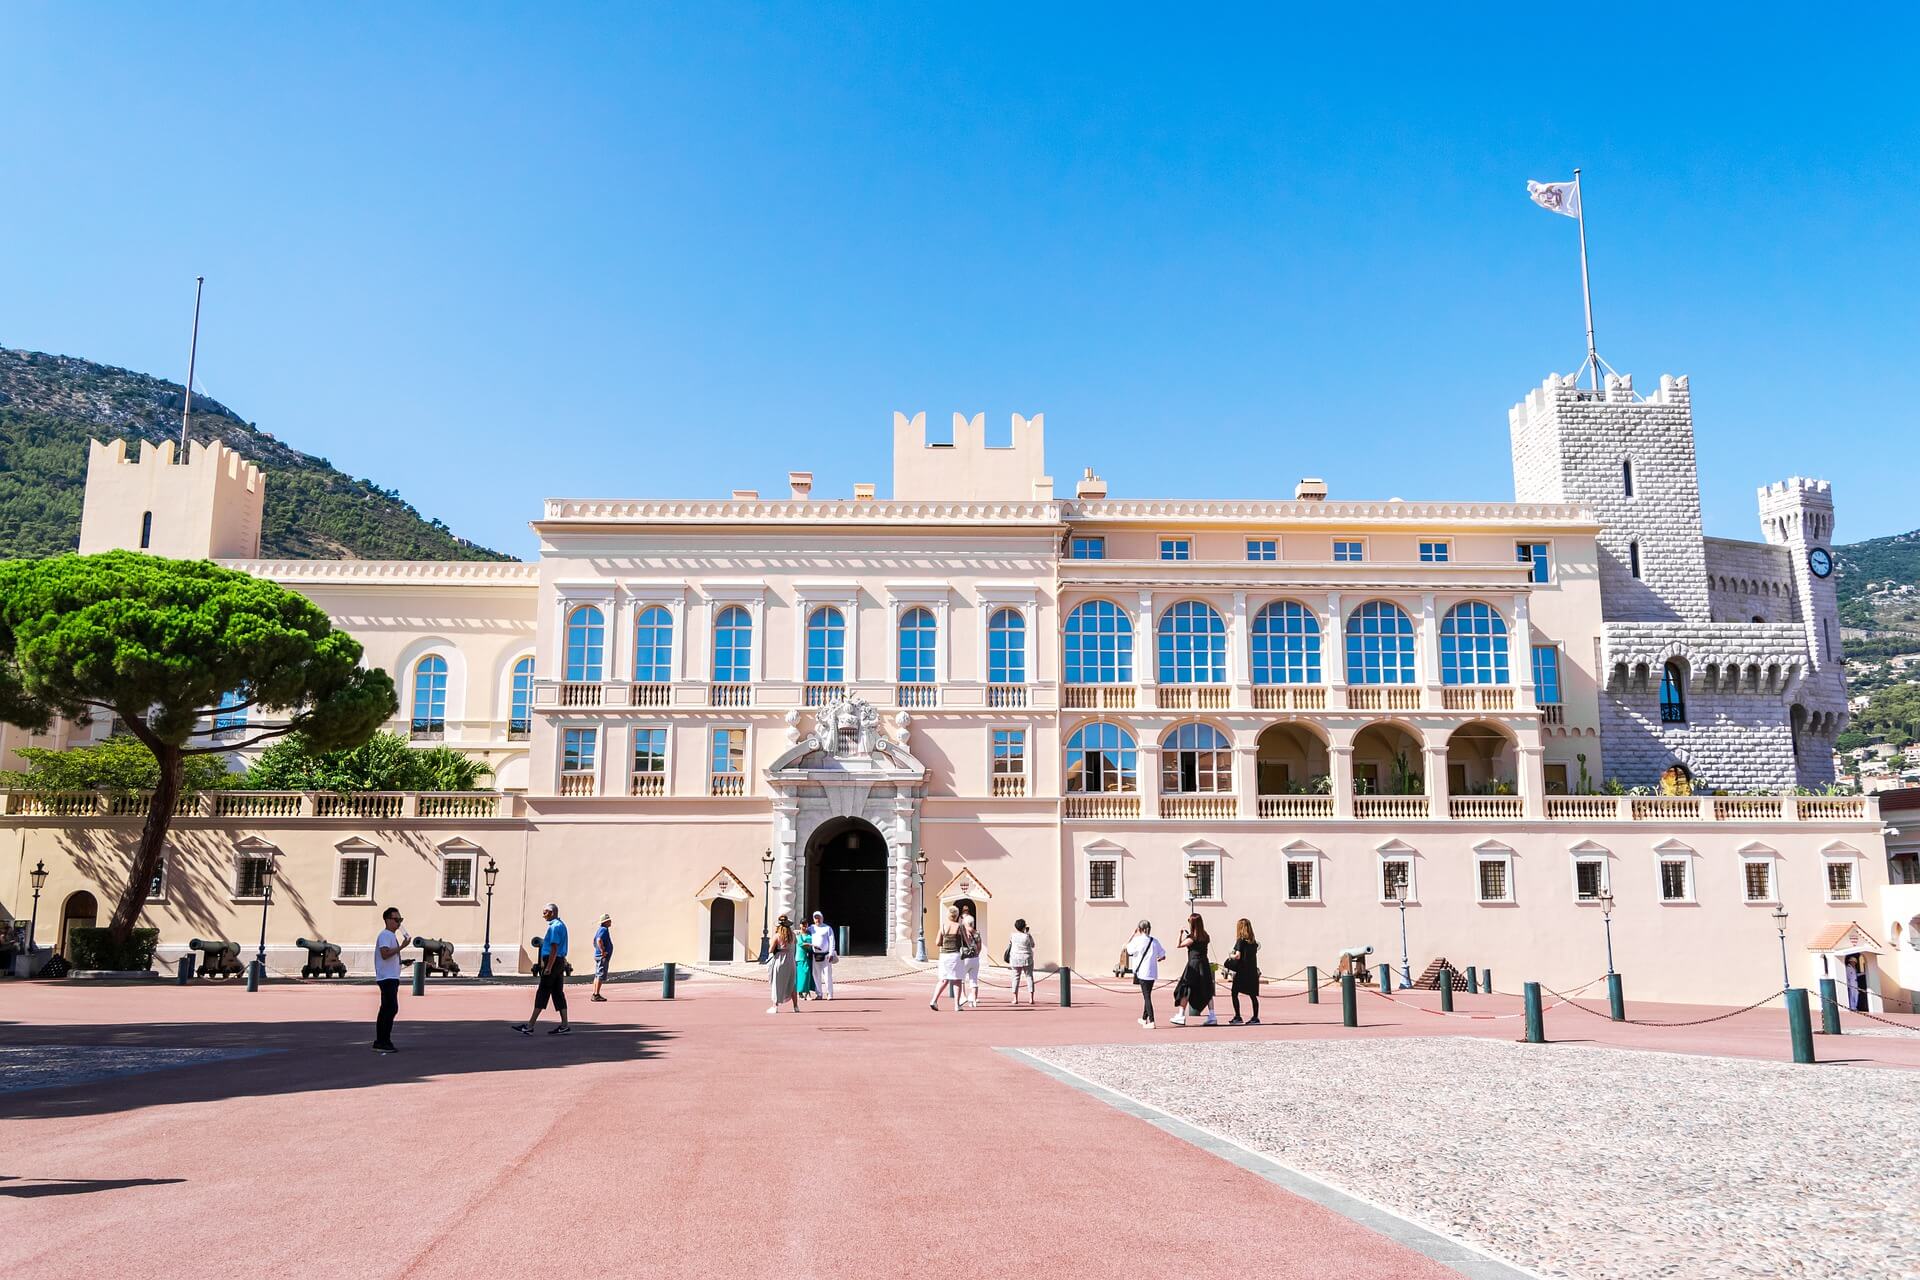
x,y
1797,514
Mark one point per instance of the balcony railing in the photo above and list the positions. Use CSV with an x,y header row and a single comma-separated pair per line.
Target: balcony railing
x,y
359,804
577,784
458,804
730,695
1583,808
1748,808
649,695
1102,804
1391,807
1008,786
1765,808
1383,697
1476,698
1666,809
1006,695
728,784
1483,808
1101,697
1289,697
578,693
1192,697
649,784
820,694
258,805
1199,807
1296,806
918,695
1553,713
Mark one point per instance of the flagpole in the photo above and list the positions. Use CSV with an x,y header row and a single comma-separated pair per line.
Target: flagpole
x,y
1586,285
200,282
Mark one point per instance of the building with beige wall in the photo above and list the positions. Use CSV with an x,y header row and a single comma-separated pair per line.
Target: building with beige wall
x,y
1077,709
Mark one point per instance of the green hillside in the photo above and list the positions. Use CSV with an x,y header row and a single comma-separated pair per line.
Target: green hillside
x,y
50,406
1879,588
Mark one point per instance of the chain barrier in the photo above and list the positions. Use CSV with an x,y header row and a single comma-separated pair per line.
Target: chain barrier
x,y
1874,1017
1692,1022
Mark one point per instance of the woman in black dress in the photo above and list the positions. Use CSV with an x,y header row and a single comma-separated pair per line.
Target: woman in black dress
x,y
1194,991
1244,963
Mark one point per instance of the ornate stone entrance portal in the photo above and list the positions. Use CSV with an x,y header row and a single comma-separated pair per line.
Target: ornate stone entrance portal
x,y
845,815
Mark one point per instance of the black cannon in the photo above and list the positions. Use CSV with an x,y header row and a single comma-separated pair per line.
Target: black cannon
x,y
218,959
566,966
323,959
437,955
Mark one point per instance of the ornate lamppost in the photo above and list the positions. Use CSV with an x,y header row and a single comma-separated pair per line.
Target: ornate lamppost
x,y
1606,918
1193,887
39,878
266,900
920,887
491,873
1400,897
1780,923
766,902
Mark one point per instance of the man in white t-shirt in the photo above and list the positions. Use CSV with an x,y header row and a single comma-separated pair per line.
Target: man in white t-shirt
x,y
825,952
1144,954
386,975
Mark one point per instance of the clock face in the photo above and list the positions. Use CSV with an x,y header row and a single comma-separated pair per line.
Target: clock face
x,y
1820,562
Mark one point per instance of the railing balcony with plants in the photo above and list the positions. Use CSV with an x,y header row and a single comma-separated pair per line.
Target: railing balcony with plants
x,y
1200,807
1395,807
1769,807
1484,808
1296,806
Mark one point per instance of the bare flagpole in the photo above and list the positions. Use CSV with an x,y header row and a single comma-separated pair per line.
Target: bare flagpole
x,y
1586,285
200,282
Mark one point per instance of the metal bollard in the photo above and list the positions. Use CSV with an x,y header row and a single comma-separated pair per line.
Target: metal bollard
x,y
1473,981
1349,1014
1313,984
1066,987
420,976
1800,1025
1446,991
1616,998
253,975
666,981
1536,1021
1486,981
1829,1008
185,969
844,935
1386,979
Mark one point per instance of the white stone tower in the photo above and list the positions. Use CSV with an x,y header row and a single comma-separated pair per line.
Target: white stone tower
x,y
1797,515
208,507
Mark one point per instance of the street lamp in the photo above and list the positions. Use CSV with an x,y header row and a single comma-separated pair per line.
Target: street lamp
x,y
1193,886
266,900
492,873
1606,917
39,878
1780,923
766,902
920,884
1400,897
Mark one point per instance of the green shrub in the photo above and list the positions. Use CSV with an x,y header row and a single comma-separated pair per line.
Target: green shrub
x,y
385,762
96,949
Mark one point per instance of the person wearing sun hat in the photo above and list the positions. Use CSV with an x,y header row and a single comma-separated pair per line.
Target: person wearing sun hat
x,y
602,955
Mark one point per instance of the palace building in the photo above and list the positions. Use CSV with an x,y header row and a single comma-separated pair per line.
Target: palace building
x,y
1496,721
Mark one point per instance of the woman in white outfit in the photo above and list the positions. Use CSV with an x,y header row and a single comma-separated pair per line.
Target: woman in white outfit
x,y
952,966
970,950
1020,960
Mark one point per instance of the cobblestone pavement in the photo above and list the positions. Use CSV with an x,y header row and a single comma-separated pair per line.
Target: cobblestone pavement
x,y
56,1065
1601,1164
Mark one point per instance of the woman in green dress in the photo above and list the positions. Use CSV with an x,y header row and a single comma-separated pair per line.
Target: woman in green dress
x,y
803,966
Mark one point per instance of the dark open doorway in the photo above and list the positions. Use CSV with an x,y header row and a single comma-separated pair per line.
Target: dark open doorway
x,y
720,932
847,880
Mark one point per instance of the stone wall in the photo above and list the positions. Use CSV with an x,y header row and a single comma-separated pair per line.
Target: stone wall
x,y
1750,580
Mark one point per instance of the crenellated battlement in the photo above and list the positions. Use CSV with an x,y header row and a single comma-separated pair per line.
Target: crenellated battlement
x,y
968,468
211,456
1560,389
207,505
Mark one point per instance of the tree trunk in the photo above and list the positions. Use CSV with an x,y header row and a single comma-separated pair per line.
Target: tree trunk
x,y
153,838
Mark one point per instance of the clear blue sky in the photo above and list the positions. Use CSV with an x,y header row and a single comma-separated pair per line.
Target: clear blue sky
x,y
488,254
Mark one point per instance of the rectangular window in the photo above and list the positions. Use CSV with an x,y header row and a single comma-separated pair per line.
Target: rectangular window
x,y
1633,559
1300,880
1589,879
1673,880
1556,779
578,750
1435,552
250,878
1009,753
650,761
146,530
1840,882
1495,883
1349,552
1176,548
1088,549
1206,882
456,878
1396,879
1626,476
1263,549
1546,674
356,877
1759,880
1537,554
729,752
1103,879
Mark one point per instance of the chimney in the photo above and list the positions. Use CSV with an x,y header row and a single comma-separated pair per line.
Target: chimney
x,y
863,493
745,494
802,482
1310,489
1090,485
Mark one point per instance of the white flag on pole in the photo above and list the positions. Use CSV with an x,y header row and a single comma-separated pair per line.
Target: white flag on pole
x,y
1556,197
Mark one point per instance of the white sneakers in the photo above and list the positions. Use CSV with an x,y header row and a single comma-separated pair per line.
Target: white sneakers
x,y
1180,1019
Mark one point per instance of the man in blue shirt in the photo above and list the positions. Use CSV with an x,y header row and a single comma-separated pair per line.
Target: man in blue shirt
x,y
551,966
602,955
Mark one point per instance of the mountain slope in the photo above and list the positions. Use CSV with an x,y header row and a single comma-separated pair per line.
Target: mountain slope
x,y
1879,589
50,406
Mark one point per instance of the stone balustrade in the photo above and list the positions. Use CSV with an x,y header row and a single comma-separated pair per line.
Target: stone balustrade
x,y
380,805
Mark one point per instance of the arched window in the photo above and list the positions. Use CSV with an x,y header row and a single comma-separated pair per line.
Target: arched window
x,y
1099,644
826,646
1473,645
918,636
1101,757
1673,699
1379,645
430,694
1195,757
733,646
1193,645
653,646
1007,647
520,710
1286,644
586,643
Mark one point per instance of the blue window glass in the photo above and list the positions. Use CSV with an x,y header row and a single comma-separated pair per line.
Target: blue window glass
x,y
1192,645
1546,674
1263,549
1537,554
1473,645
1007,647
1435,552
1176,549
1349,552
430,694
729,752
1009,753
1195,757
650,750
586,643
1088,549
232,715
1673,698
826,646
733,646
653,646
578,750
1379,645
1286,644
919,634
520,713
1099,644
1101,757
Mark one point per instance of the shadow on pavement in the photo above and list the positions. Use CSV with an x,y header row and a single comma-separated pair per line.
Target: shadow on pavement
x,y
304,1057
29,1188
